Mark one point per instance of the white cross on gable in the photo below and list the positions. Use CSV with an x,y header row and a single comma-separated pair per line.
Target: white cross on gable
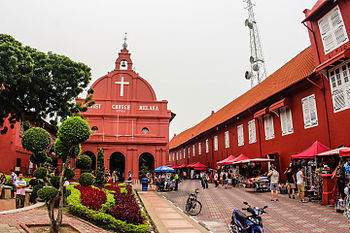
x,y
122,83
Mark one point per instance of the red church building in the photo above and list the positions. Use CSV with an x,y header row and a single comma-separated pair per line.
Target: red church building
x,y
127,121
307,99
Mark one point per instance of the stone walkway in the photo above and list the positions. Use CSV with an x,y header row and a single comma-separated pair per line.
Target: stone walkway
x,y
286,216
166,217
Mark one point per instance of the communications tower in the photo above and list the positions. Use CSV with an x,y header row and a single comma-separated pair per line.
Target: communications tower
x,y
257,71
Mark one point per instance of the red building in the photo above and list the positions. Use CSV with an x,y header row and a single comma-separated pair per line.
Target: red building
x,y
307,99
127,121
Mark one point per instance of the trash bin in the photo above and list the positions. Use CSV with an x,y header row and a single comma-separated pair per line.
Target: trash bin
x,y
144,182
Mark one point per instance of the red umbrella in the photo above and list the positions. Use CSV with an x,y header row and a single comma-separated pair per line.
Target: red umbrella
x,y
310,153
226,161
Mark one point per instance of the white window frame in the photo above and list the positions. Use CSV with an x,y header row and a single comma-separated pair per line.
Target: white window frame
x,y
180,154
286,121
309,108
216,143
199,148
207,146
173,156
189,152
252,131
339,78
333,33
184,153
194,150
268,127
227,139
240,135
177,155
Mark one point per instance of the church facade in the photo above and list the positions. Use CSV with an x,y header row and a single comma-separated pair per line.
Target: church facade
x,y
127,121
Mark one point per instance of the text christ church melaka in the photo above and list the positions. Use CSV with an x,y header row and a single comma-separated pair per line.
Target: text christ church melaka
x,y
128,122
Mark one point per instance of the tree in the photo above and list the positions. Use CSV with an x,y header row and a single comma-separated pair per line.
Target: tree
x,y
37,85
100,179
71,133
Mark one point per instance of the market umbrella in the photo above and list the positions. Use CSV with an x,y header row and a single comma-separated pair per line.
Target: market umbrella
x,y
332,152
164,169
344,152
226,161
310,153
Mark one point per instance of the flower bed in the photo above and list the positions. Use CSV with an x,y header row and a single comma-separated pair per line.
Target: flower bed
x,y
102,217
91,197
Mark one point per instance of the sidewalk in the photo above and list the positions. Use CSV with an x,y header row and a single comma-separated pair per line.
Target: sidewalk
x,y
166,217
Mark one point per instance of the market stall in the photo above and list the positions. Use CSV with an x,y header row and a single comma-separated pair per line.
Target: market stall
x,y
229,160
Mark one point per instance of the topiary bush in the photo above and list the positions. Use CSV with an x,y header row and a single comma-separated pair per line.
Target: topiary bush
x,y
47,193
55,181
41,156
74,130
36,139
100,172
84,162
62,149
86,179
69,174
40,173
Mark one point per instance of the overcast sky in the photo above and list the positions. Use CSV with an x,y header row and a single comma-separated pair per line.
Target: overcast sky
x,y
193,52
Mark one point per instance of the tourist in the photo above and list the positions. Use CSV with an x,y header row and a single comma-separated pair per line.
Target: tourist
x,y
14,179
176,181
201,175
2,182
290,181
20,192
225,179
301,184
184,174
216,182
205,180
129,176
114,177
150,179
274,179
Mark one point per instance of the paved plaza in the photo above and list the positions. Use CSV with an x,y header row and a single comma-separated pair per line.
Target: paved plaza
x,y
285,216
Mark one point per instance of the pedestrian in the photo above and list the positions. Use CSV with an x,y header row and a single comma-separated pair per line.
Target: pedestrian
x,y
176,181
20,191
150,179
201,175
291,183
274,179
205,179
2,182
114,177
301,184
14,179
216,179
225,179
184,174
129,176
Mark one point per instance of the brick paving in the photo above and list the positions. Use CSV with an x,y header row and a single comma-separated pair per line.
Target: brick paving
x,y
285,216
10,222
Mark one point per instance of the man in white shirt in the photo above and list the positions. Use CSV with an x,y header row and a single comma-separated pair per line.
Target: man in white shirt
x,y
301,184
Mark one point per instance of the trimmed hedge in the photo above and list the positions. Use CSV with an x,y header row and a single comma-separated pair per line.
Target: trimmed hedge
x,y
61,149
101,218
86,179
83,162
36,139
40,173
74,131
47,193
69,174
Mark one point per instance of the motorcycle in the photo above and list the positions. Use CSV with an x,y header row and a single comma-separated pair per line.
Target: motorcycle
x,y
241,223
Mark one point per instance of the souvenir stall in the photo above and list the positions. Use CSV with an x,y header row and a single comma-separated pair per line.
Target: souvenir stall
x,y
343,177
196,168
307,159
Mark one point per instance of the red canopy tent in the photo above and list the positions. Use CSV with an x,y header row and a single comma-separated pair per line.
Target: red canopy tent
x,y
199,166
226,161
344,152
182,166
175,166
310,153
240,158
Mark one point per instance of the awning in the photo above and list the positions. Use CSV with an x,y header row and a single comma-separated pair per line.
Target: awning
x,y
283,102
175,166
197,165
344,152
331,152
310,153
226,161
182,166
345,54
317,8
240,158
261,112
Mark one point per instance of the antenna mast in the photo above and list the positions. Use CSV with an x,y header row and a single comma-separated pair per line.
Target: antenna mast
x,y
257,71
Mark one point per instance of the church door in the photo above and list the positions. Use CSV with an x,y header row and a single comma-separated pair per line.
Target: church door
x,y
117,163
146,163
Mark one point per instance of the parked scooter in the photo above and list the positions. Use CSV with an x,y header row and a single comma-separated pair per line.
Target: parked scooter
x,y
242,223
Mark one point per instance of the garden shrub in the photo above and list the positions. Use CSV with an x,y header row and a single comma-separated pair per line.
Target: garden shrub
x,y
35,190
62,149
74,130
39,157
55,181
100,172
101,218
40,173
47,193
36,139
84,162
91,197
86,179
69,174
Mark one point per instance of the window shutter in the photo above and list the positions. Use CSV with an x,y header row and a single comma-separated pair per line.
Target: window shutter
x,y
283,120
306,112
313,111
194,150
289,120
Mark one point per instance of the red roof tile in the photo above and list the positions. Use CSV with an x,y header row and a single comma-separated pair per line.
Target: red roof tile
x,y
300,67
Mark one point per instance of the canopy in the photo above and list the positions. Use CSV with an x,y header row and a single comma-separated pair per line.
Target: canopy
x,y
257,160
332,152
199,166
310,153
175,166
226,161
239,158
344,152
164,169
182,166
